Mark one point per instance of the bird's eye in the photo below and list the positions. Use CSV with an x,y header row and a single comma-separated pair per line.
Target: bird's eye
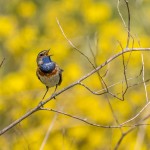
x,y
41,54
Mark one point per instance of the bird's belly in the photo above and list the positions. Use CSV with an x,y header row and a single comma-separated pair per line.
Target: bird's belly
x,y
50,81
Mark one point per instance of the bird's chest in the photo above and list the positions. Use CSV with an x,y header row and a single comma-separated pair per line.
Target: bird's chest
x,y
49,80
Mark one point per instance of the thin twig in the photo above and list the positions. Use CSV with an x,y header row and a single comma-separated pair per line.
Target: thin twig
x,y
80,119
95,124
48,132
93,92
107,91
63,33
122,137
140,138
121,14
125,75
2,62
143,77
133,127
98,93
128,28
74,47
131,119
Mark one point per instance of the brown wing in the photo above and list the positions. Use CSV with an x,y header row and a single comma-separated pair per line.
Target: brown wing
x,y
37,74
60,75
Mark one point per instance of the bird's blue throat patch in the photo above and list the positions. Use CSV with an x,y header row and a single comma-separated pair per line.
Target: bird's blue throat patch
x,y
46,59
48,65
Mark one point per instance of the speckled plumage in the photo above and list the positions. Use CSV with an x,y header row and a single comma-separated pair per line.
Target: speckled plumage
x,y
48,71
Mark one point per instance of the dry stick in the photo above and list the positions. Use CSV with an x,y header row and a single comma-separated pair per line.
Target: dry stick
x,y
125,76
129,20
93,55
63,33
131,119
120,13
2,62
139,83
145,94
94,124
124,81
114,115
129,32
68,87
128,28
93,92
48,132
107,91
96,93
94,66
127,45
134,127
100,78
78,118
140,138
122,137
144,78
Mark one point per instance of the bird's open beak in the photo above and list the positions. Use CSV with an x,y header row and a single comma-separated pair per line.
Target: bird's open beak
x,y
47,53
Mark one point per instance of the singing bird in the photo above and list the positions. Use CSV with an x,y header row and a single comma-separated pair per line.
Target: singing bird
x,y
48,71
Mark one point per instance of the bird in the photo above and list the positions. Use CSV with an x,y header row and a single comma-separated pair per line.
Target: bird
x,y
48,72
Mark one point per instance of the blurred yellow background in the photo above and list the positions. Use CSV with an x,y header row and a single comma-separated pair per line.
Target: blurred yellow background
x,y
29,26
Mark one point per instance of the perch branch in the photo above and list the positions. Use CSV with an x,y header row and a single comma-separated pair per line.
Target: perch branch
x,y
126,50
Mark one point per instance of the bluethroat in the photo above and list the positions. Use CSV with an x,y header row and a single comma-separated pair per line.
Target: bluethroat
x,y
48,71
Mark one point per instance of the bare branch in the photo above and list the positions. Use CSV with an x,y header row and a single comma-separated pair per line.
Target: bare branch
x,y
2,62
126,50
126,26
48,132
128,29
122,137
63,33
125,76
121,14
80,119
131,119
93,92
143,77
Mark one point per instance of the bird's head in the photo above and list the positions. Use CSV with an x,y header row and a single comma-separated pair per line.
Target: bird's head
x,y
43,57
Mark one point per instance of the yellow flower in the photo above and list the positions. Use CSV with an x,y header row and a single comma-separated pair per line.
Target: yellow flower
x,y
97,12
27,9
7,25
